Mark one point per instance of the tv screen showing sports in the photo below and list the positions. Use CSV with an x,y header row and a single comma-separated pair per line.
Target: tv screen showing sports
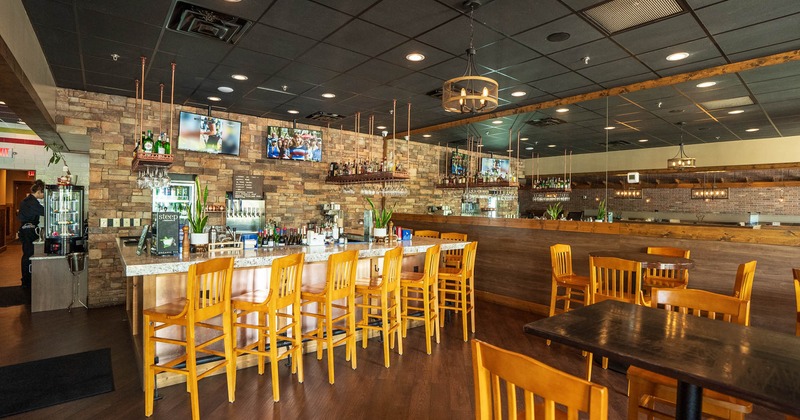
x,y
294,144
498,167
201,133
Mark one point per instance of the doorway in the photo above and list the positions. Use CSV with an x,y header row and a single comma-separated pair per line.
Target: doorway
x,y
21,190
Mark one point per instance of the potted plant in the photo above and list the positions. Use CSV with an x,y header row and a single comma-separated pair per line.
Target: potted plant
x,y
197,215
554,210
601,211
381,219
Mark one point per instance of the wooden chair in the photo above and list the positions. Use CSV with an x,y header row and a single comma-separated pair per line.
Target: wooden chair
x,y
339,285
654,277
646,389
563,276
380,302
422,290
277,320
208,295
796,272
452,257
456,288
492,366
426,233
743,287
617,279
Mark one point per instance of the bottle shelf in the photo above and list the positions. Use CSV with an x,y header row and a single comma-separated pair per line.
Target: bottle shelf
x,y
507,184
150,159
368,178
545,190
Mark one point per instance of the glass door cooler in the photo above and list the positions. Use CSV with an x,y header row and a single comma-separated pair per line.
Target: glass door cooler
x,y
63,219
177,197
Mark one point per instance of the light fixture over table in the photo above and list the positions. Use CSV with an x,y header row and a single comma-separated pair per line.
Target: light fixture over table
x,y
470,93
681,160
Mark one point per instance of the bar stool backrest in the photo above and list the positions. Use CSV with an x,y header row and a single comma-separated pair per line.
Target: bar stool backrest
x,y
468,261
426,233
668,277
392,265
341,275
285,280
743,287
208,288
431,268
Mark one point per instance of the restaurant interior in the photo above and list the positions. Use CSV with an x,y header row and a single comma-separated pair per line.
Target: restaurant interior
x,y
656,140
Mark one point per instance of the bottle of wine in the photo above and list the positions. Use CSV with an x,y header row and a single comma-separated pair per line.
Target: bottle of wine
x,y
160,144
147,143
167,147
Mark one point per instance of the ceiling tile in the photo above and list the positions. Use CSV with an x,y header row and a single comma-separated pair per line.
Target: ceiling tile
x,y
304,18
535,69
561,82
379,70
192,46
349,83
699,50
582,4
661,34
420,83
125,31
365,38
352,7
521,17
599,52
332,57
273,41
453,36
761,35
151,12
732,14
51,14
60,47
625,67
580,33
250,10
765,51
409,17
307,73
504,53
694,66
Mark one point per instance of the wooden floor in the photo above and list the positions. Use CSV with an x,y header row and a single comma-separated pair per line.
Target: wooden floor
x,y
418,386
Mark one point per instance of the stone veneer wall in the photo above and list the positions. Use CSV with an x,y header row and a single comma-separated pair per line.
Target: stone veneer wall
x,y
294,191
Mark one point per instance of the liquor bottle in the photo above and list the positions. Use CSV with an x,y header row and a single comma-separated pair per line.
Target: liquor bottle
x,y
167,147
147,143
160,144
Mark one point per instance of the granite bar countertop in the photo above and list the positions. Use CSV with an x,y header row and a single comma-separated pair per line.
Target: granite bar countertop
x,y
146,264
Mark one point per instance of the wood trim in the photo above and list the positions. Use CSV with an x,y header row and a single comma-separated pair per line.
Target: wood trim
x,y
736,67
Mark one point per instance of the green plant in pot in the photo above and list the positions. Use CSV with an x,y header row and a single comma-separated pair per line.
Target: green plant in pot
x,y
197,215
601,211
380,218
554,210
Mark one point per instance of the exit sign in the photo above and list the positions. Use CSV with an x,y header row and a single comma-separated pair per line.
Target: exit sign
x,y
31,174
6,152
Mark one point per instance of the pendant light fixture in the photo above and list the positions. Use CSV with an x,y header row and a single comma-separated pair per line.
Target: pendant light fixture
x,y
470,93
681,160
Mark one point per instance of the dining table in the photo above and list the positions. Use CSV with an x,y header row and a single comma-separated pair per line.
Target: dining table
x,y
649,261
755,364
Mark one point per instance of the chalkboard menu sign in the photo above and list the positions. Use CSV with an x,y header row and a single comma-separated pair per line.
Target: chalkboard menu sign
x,y
248,187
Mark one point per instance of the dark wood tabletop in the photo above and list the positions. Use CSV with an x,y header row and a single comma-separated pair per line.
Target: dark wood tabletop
x,y
757,365
663,262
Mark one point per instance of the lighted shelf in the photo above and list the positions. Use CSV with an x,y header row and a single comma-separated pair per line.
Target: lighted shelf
x,y
368,178
150,159
507,184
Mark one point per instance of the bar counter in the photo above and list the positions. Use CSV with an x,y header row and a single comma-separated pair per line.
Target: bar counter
x,y
513,262
154,280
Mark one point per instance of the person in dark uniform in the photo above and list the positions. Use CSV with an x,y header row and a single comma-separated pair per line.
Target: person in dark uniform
x,y
29,212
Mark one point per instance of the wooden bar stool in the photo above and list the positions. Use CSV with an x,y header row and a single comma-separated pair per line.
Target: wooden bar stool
x,y
380,302
340,282
452,257
270,306
208,295
426,234
456,288
422,290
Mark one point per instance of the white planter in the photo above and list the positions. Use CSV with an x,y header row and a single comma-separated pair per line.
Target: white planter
x,y
198,238
379,232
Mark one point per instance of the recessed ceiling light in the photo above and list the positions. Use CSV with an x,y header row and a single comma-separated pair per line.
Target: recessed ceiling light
x,y
2,103
328,95
518,93
415,57
752,130
225,89
293,111
642,140
233,1
706,84
381,127
677,56
426,135
238,77
736,111
551,145
497,122
610,127
529,148
21,122
214,98
523,139
562,110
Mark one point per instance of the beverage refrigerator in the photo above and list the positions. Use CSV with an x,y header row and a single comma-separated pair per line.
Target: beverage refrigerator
x,y
63,219
177,197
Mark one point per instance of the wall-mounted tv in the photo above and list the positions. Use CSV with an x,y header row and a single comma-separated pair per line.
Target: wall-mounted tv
x,y
201,133
497,167
294,144
458,163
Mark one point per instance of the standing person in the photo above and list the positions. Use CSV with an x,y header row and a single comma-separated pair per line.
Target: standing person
x,y
29,212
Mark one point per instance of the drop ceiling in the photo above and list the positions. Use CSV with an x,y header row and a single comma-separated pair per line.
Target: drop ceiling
x,y
293,51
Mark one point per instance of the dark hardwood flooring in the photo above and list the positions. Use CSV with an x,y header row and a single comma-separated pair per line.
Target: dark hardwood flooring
x,y
416,385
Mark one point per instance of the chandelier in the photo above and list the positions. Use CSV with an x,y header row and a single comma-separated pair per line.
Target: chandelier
x,y
470,93
681,160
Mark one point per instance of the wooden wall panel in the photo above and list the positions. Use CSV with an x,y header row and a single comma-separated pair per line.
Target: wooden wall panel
x,y
513,259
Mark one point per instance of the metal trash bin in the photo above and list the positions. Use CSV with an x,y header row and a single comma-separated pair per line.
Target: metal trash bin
x,y
77,262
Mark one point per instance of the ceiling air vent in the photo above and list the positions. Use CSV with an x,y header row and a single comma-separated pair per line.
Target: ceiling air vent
x,y
614,143
546,122
618,15
728,103
325,116
199,21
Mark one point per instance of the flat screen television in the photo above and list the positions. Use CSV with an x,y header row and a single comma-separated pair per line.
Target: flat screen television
x,y
458,163
201,133
294,144
497,167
